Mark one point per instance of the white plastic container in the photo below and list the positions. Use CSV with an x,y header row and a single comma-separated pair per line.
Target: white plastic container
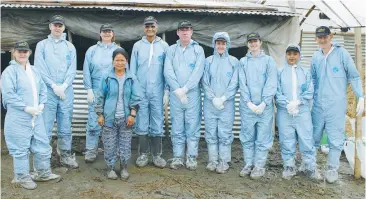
x,y
349,150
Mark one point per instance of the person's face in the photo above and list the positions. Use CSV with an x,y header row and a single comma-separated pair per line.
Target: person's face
x,y
324,41
254,45
185,34
292,57
150,29
220,46
57,29
119,62
21,56
107,35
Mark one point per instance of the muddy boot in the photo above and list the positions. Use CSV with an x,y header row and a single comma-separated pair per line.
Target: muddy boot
x,y
247,169
257,173
124,173
157,150
143,158
222,167
302,167
91,155
331,175
213,157
288,172
176,163
313,174
191,163
211,166
68,160
44,175
111,174
25,181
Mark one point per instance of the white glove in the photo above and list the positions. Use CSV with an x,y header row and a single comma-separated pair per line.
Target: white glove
x,y
184,99
360,106
90,96
261,108
60,90
217,103
292,106
32,110
294,112
56,89
63,87
166,98
40,108
252,107
181,92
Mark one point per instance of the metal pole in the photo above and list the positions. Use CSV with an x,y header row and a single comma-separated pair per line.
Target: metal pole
x,y
358,129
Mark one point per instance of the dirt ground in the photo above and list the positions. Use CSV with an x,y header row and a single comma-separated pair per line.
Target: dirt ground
x,y
90,182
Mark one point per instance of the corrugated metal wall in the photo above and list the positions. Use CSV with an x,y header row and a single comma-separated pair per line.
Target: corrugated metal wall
x,y
80,115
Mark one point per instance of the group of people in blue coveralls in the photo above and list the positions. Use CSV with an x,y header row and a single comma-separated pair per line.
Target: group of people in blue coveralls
x,y
158,74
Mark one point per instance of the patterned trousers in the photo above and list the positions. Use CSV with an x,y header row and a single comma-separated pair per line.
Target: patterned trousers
x,y
117,140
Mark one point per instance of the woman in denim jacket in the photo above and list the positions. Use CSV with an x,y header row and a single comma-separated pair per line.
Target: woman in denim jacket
x,y
117,105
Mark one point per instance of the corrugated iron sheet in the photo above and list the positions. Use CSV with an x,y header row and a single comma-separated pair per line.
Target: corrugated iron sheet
x,y
158,10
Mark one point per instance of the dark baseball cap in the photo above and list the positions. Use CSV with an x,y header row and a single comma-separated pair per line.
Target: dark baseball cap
x,y
322,31
106,27
253,36
184,24
292,48
150,20
21,45
57,19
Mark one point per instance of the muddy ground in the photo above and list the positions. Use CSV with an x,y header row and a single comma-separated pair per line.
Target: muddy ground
x,y
89,181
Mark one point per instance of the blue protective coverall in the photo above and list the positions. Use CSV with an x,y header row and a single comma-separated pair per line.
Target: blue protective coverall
x,y
56,61
220,78
184,67
331,76
149,72
98,62
300,127
20,136
258,83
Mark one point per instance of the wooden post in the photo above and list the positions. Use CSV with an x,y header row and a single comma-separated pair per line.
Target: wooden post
x,y
358,129
166,114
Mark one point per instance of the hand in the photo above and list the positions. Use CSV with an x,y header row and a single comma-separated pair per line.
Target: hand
x,y
40,108
360,106
261,108
166,98
218,103
60,90
292,106
184,100
32,110
130,121
56,89
62,96
90,96
181,92
101,120
252,107
63,87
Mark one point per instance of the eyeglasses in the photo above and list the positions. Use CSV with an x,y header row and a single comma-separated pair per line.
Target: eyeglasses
x,y
150,26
